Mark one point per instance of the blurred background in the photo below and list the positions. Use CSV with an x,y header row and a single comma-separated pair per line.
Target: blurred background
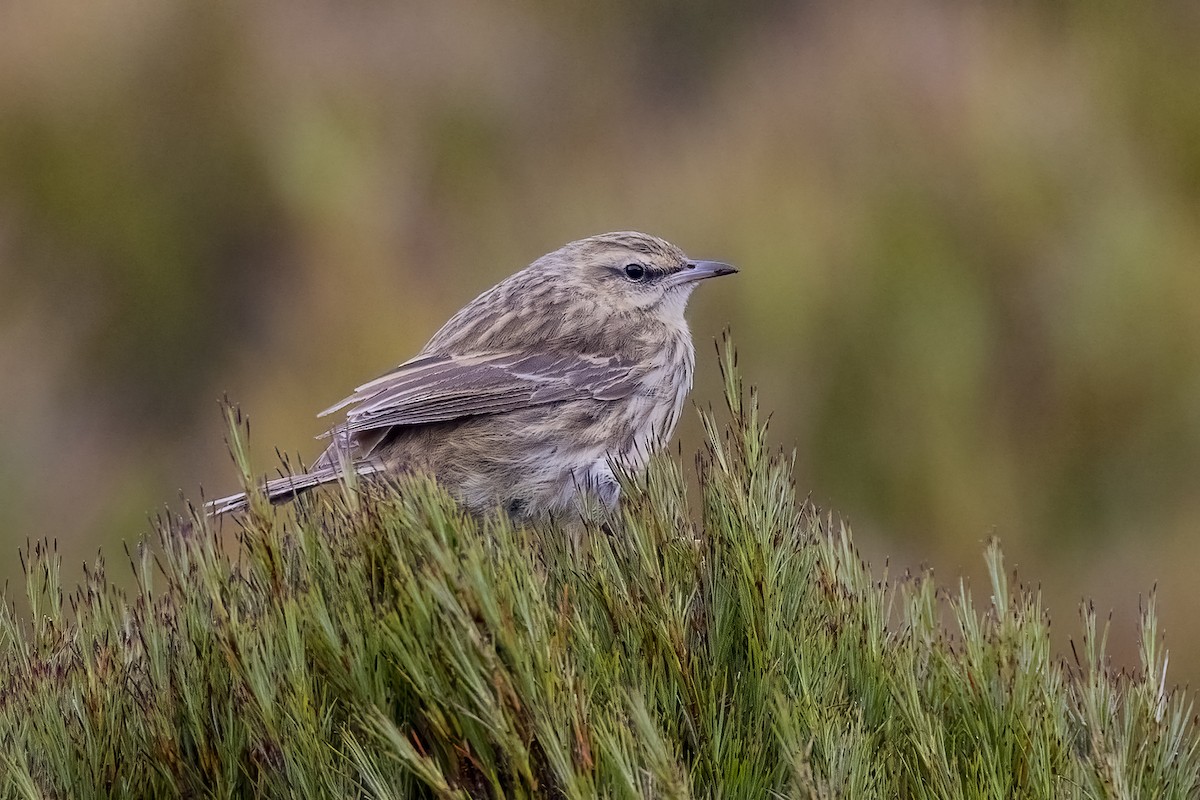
x,y
969,236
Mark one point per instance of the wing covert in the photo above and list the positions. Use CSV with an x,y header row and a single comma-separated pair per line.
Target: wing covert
x,y
431,389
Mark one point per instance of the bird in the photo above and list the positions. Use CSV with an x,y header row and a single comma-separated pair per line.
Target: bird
x,y
530,395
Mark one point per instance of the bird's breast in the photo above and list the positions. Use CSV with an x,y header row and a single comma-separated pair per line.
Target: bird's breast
x,y
653,411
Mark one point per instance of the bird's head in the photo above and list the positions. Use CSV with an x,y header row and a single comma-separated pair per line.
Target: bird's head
x,y
600,294
630,273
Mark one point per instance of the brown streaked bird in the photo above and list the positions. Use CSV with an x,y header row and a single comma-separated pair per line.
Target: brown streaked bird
x,y
530,394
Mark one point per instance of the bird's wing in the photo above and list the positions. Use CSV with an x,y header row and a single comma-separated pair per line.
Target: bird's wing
x,y
442,388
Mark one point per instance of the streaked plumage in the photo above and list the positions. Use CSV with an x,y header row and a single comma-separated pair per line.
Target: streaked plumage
x,y
527,395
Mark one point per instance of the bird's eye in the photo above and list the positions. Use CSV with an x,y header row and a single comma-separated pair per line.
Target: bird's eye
x,y
635,272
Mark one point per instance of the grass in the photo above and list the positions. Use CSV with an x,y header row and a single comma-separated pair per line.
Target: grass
x,y
377,642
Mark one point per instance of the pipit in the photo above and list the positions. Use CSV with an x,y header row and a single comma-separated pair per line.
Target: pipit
x,y
527,398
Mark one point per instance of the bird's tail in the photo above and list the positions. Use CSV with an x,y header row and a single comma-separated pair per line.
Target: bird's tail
x,y
289,487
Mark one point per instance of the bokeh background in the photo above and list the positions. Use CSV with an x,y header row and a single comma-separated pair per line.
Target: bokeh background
x,y
969,234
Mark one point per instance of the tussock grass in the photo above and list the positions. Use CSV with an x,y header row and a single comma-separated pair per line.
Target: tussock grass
x,y
378,643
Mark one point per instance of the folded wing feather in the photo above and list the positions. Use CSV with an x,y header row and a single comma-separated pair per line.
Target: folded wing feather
x,y
442,388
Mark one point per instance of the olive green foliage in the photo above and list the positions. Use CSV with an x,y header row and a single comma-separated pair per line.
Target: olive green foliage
x,y
379,643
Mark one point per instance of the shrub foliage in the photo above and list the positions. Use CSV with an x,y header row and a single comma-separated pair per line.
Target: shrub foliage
x,y
377,642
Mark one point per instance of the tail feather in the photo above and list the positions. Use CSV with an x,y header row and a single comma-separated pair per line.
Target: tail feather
x,y
287,488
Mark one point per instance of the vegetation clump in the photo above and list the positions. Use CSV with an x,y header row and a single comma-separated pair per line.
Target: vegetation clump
x,y
378,642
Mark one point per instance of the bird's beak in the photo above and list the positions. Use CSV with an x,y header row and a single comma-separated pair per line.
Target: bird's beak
x,y
699,270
